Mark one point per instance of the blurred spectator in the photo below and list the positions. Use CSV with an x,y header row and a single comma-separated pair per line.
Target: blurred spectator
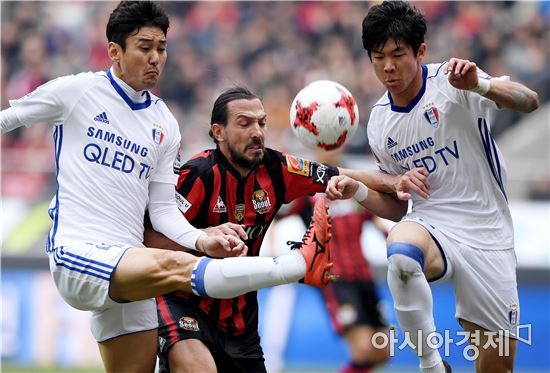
x,y
274,48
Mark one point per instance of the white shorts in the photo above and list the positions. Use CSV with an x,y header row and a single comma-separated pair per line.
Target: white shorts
x,y
484,282
82,275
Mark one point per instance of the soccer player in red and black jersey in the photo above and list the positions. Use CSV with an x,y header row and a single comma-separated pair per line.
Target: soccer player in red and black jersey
x,y
352,301
237,187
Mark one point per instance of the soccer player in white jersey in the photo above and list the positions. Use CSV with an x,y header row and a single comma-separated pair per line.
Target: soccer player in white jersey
x,y
437,117
115,145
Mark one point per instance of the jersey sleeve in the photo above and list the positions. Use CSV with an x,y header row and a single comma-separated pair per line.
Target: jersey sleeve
x,y
480,105
303,177
189,192
50,103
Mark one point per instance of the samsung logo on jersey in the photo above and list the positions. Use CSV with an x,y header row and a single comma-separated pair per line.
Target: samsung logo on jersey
x,y
413,149
110,137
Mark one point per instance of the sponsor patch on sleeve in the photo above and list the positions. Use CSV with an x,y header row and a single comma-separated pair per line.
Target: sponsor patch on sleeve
x,y
178,162
298,166
321,173
183,204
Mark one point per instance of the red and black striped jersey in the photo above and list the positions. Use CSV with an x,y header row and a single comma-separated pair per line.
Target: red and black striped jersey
x,y
348,218
211,192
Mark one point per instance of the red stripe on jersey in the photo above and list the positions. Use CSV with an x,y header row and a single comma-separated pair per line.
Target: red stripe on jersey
x,y
238,319
226,310
231,196
168,320
205,304
250,214
194,197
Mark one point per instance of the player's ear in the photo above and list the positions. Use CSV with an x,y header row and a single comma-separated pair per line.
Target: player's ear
x,y
114,50
218,132
421,51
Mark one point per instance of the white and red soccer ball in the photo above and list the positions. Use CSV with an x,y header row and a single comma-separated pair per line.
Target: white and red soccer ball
x,y
324,115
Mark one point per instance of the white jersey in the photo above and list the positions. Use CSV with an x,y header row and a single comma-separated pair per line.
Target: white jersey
x,y
110,143
447,131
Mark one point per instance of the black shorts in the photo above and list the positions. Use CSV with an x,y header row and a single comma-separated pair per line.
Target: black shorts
x,y
179,321
352,303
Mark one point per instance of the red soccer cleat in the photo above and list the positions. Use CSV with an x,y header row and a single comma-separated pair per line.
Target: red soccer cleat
x,y
315,246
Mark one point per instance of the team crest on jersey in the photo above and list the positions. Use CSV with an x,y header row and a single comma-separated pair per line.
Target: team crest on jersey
x,y
158,133
298,165
189,323
239,211
260,201
432,115
219,207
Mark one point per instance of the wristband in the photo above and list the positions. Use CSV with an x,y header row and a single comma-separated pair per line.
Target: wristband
x,y
483,86
361,193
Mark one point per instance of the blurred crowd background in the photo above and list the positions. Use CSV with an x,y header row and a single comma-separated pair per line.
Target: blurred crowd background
x,y
274,48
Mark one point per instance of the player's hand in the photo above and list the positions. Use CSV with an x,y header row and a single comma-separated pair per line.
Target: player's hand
x,y
221,246
232,229
462,73
415,180
341,187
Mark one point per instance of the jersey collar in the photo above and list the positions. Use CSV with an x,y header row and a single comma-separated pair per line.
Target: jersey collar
x,y
133,105
412,104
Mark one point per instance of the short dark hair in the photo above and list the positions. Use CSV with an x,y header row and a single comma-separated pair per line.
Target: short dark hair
x,y
393,19
129,16
219,111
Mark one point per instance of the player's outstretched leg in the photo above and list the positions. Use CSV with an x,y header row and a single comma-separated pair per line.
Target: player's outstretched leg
x,y
310,263
315,246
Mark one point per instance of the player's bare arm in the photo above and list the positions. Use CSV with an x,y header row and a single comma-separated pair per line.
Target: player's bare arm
x,y
507,94
385,205
415,180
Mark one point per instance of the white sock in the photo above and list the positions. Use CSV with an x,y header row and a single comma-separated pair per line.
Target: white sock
x,y
412,298
439,368
231,277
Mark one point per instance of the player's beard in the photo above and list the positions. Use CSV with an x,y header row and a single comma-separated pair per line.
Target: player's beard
x,y
242,160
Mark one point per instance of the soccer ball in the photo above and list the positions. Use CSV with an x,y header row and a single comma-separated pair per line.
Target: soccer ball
x,y
324,115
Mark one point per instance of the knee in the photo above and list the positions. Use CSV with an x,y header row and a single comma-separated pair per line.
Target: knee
x,y
404,257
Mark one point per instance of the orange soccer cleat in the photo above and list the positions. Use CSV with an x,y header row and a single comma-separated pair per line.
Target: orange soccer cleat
x,y
315,246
